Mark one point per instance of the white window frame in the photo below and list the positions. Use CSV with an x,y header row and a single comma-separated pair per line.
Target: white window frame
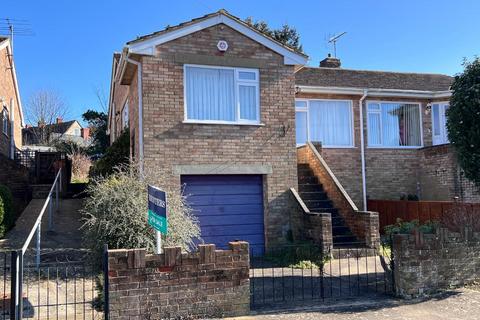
x,y
443,124
307,110
381,146
5,120
237,83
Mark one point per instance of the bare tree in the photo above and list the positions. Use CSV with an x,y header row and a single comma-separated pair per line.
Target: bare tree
x,y
43,109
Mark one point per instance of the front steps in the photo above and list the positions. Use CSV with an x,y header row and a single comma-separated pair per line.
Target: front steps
x,y
316,199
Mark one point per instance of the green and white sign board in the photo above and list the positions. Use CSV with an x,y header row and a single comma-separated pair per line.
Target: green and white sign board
x,y
157,209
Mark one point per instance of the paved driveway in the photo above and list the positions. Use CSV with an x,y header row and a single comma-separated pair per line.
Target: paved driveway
x,y
460,304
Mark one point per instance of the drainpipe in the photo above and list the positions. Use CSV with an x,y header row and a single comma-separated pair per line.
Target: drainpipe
x,y
140,111
362,151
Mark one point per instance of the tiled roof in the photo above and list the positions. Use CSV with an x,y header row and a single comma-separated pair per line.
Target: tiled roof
x,y
54,128
347,78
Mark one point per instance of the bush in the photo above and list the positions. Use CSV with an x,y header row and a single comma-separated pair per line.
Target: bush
x,y
7,217
407,227
461,216
463,120
117,154
116,213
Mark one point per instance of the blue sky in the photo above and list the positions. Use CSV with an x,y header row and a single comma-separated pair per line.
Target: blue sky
x,y
71,51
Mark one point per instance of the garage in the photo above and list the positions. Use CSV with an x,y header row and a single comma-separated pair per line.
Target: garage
x,y
229,207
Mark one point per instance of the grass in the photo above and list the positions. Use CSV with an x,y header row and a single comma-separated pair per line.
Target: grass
x,y
79,180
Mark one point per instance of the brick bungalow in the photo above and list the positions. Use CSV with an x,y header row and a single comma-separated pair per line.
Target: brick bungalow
x,y
10,104
222,108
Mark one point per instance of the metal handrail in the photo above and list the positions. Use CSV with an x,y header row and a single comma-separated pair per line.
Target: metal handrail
x,y
56,187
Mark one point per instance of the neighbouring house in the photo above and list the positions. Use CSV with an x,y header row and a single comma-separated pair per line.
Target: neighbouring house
x,y
45,135
229,112
10,103
14,176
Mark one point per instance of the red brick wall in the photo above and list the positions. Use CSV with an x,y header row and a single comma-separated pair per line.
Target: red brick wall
x,y
207,283
169,142
7,92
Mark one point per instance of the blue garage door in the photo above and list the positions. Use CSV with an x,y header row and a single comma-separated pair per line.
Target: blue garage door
x,y
229,207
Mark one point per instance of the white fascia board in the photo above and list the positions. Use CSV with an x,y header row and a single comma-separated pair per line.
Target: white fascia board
x,y
372,92
147,46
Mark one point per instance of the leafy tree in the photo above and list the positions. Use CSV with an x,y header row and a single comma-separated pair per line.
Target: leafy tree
x,y
463,119
286,34
116,155
97,122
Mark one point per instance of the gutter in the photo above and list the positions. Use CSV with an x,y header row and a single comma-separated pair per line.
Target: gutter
x,y
372,92
140,110
362,150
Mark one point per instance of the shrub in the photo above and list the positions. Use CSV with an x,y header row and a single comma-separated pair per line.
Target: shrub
x,y
117,154
81,164
116,213
407,227
8,216
463,119
461,216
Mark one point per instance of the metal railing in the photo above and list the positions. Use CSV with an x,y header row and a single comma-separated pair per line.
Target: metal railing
x,y
17,260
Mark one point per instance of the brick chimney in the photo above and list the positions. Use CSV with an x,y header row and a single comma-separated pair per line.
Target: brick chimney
x,y
59,120
85,133
330,62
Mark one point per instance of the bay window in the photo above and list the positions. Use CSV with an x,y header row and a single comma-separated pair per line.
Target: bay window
x,y
325,121
392,124
221,95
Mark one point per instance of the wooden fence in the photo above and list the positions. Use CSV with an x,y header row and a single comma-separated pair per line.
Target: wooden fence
x,y
391,210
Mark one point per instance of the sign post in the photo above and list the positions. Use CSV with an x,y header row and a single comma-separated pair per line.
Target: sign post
x,y
157,214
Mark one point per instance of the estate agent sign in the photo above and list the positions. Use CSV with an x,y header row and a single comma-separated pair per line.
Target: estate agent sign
x,y
157,209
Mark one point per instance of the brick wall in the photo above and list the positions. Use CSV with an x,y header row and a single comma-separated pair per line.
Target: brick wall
x,y
7,92
207,283
441,178
313,226
427,263
169,142
363,224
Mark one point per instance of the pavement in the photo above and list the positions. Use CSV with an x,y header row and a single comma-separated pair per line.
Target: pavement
x,y
65,238
458,304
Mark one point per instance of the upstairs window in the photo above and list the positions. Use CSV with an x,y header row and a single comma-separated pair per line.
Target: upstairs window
x,y
5,120
394,125
221,95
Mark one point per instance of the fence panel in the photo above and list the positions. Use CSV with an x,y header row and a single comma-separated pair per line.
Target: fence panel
x,y
391,210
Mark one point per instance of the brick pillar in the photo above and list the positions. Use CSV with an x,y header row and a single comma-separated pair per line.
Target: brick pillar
x,y
370,225
319,229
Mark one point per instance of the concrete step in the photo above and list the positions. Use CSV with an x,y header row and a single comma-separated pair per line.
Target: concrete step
x,y
344,239
318,203
313,195
330,210
341,230
310,187
307,180
40,191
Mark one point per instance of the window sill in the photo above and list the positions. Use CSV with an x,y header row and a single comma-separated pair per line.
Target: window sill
x,y
330,147
396,148
224,123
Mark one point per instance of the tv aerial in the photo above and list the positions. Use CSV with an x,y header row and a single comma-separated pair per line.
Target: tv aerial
x,y
334,40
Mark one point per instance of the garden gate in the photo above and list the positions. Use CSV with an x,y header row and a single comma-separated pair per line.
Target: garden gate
x,y
289,275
